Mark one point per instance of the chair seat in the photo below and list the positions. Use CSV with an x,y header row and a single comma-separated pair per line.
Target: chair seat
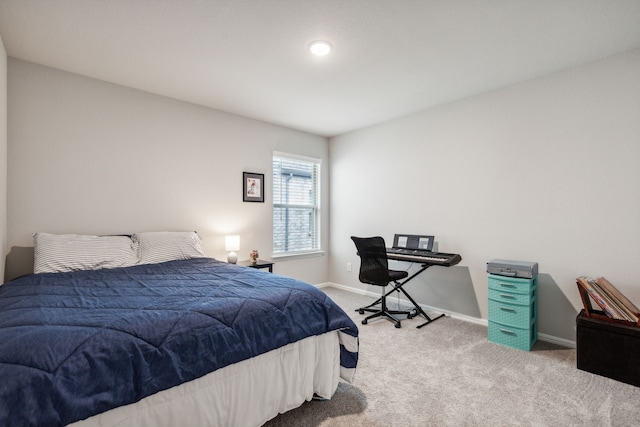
x,y
397,274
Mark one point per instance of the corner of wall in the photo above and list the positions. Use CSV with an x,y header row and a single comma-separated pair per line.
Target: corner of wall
x,y
3,155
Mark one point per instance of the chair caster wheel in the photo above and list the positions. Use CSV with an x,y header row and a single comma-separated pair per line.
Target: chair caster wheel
x,y
361,311
398,325
364,322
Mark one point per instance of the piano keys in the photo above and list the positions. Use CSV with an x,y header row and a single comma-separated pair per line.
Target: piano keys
x,y
423,257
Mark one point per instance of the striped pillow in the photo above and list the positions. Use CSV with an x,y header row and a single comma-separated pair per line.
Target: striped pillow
x,y
161,246
70,252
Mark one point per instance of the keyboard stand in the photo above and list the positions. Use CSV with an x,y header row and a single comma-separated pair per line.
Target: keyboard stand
x,y
399,287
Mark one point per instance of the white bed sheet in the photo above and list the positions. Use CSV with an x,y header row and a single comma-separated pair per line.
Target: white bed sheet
x,y
248,393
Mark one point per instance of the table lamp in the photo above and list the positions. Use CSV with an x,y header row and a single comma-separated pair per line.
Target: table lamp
x,y
232,244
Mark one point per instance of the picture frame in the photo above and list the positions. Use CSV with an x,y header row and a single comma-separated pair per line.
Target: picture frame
x,y
252,187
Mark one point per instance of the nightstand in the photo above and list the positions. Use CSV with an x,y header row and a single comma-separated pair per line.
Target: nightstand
x,y
258,264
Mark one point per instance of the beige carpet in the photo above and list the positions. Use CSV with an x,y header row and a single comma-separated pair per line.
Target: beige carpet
x,y
448,374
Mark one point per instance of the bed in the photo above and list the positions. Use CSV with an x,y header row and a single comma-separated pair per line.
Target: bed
x,y
190,341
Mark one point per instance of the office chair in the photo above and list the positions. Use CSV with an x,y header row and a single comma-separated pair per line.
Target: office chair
x,y
374,270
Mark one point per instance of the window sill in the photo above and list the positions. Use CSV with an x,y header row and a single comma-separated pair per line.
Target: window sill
x,y
296,255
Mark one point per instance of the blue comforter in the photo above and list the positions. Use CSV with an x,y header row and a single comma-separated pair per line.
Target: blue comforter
x,y
76,344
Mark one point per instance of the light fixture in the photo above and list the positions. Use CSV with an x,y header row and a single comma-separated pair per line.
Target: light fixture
x,y
232,244
320,47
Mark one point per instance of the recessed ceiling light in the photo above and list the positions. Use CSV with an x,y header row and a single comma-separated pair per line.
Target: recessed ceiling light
x,y
320,47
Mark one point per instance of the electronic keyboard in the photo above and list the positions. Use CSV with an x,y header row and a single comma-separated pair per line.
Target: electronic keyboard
x,y
423,257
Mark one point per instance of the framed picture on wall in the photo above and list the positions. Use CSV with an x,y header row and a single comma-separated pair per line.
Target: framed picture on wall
x,y
252,187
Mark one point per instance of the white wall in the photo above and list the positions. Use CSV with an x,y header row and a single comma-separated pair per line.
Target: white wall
x,y
3,156
547,171
544,171
86,156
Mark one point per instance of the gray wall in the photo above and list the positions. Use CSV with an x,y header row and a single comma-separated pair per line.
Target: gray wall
x,y
547,171
86,156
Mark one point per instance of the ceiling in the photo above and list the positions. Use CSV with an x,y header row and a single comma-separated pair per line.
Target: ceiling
x,y
249,57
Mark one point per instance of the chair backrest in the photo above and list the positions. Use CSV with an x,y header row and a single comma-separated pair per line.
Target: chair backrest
x,y
374,267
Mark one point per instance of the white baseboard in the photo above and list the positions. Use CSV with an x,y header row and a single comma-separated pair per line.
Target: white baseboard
x,y
542,337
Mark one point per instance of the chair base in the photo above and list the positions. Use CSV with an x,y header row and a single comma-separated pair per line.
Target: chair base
x,y
387,314
384,312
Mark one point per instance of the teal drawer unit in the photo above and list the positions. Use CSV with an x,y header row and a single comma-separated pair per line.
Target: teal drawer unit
x,y
519,338
518,316
512,284
513,311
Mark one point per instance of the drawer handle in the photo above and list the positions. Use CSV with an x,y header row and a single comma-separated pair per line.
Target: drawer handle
x,y
508,296
509,285
507,309
507,331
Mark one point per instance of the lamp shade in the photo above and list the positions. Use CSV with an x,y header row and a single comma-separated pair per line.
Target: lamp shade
x,y
232,243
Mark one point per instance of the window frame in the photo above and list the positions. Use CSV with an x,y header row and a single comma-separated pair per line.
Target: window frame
x,y
316,208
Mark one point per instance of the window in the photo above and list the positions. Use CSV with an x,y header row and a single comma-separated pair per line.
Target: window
x,y
296,204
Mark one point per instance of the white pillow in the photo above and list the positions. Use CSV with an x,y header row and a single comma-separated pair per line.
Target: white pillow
x,y
161,246
70,252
